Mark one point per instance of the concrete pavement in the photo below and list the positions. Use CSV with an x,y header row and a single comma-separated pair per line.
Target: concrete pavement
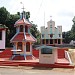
x,y
7,70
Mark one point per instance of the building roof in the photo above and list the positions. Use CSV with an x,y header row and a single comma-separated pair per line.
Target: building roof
x,y
2,27
22,21
21,37
29,38
44,46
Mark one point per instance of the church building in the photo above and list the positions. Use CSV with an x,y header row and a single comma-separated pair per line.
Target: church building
x,y
51,35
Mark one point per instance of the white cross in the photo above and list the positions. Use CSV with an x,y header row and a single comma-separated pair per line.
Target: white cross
x,y
51,17
23,6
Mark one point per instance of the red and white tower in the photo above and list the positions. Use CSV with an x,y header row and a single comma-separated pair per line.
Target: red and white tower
x,y
23,39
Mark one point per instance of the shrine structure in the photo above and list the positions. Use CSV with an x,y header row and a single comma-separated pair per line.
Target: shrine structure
x,y
23,39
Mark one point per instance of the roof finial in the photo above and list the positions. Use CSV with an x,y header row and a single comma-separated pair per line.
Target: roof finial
x,y
23,13
50,17
23,6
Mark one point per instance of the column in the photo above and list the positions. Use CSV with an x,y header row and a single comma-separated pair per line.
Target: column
x,y
30,48
48,41
41,41
61,41
53,42
57,41
25,50
45,41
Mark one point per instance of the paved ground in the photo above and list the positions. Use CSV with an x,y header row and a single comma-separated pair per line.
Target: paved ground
x,y
35,71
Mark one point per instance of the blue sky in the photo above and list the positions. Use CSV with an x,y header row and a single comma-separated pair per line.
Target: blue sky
x,y
62,11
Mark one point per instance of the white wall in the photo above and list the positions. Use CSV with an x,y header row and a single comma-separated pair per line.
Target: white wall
x,y
48,58
2,42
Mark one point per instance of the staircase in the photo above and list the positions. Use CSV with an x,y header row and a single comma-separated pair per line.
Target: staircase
x,y
61,57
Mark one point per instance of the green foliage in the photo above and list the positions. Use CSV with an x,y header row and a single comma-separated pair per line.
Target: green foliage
x,y
70,35
66,36
4,15
35,33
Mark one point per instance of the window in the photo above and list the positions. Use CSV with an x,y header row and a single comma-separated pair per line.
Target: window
x,y
42,35
55,40
43,41
19,45
51,41
27,46
59,35
26,29
51,35
59,41
21,28
46,41
46,51
50,26
0,35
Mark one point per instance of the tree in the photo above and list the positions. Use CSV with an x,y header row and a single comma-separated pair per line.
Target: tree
x,y
35,33
11,29
9,19
69,35
4,15
66,36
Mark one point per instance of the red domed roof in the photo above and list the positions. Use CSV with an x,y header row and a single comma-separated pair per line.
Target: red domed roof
x,y
22,21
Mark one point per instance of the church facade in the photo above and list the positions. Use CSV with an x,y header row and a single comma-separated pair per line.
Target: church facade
x,y
51,35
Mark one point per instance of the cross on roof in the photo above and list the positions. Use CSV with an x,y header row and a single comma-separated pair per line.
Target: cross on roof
x,y
23,6
50,17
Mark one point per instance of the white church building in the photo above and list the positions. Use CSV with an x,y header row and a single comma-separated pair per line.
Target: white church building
x,y
51,35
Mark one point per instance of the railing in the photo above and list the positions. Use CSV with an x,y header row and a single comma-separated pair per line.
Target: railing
x,y
67,56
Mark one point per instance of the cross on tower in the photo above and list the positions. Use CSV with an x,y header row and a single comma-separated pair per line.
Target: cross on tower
x,y
50,17
23,6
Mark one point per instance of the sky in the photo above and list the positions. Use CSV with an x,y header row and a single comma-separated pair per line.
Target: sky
x,y
62,11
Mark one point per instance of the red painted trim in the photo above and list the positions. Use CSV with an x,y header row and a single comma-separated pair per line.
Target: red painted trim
x,y
2,29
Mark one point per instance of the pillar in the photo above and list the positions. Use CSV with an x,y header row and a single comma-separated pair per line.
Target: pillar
x,y
41,41
25,50
53,42
45,41
48,41
30,48
57,41
61,41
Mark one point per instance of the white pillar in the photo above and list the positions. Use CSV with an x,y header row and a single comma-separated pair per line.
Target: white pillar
x,y
30,48
25,50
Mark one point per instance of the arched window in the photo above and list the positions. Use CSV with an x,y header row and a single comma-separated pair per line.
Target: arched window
x,y
21,28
